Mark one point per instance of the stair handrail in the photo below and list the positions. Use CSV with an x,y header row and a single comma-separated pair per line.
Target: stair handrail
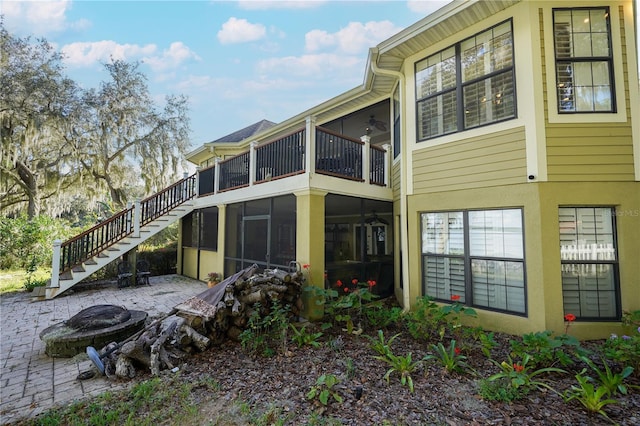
x,y
101,236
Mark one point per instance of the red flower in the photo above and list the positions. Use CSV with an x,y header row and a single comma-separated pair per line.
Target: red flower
x,y
455,297
457,351
518,368
354,281
339,283
371,283
570,317
306,266
346,289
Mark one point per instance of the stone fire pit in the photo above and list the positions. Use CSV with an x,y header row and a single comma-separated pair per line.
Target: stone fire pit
x,y
95,326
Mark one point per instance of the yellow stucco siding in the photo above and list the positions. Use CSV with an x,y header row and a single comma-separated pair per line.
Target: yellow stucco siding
x,y
540,203
190,262
494,159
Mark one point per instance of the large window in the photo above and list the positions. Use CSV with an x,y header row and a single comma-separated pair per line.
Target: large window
x,y
589,262
467,85
477,255
584,63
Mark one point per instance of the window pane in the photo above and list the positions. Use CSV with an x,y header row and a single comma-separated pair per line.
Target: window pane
x,y
442,233
489,100
589,290
444,277
600,43
496,233
437,116
498,284
436,73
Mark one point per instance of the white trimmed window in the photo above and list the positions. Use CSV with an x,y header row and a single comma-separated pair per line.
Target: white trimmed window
x,y
584,60
477,255
588,252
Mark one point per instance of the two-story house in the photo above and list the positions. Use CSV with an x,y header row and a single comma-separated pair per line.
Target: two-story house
x,y
492,152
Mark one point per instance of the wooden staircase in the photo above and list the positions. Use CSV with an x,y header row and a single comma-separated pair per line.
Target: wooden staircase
x,y
84,254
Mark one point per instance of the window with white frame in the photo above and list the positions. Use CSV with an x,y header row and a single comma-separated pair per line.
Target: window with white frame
x,y
477,255
467,85
589,260
584,62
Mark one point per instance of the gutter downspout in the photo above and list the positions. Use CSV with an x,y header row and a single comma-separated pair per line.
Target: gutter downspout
x,y
404,243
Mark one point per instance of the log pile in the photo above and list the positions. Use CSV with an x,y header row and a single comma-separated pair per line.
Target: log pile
x,y
211,317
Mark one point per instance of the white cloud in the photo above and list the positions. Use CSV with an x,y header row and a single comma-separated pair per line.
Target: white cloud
x,y
88,53
177,53
317,66
353,39
240,31
39,18
426,7
279,4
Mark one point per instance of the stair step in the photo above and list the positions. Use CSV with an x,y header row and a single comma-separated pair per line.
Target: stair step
x,y
78,268
102,255
90,262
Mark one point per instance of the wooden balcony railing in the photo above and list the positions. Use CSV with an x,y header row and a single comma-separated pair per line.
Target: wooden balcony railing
x,y
281,158
234,172
166,200
335,155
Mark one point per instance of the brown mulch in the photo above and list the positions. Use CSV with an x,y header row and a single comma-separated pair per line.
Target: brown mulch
x,y
280,383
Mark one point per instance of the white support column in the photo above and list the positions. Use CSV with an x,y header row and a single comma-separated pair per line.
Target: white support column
x,y
136,219
197,182
387,164
55,264
310,142
366,158
252,162
216,174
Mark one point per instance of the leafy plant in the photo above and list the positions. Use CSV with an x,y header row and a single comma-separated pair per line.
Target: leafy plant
x,y
380,316
451,358
303,338
403,365
345,306
545,350
591,397
430,320
381,346
613,382
499,390
522,374
624,350
323,389
266,331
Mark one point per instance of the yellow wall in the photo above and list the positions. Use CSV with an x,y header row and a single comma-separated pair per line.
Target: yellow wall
x,y
190,262
542,247
488,160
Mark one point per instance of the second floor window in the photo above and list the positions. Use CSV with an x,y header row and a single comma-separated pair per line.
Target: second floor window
x,y
584,74
467,85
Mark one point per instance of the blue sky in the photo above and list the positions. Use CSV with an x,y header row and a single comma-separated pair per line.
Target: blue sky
x,y
237,61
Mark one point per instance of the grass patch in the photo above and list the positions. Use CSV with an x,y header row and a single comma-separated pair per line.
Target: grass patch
x,y
15,280
168,400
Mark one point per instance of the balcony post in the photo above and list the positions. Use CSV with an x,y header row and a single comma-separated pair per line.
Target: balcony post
x,y
55,264
310,141
366,158
196,190
216,176
136,219
252,162
387,164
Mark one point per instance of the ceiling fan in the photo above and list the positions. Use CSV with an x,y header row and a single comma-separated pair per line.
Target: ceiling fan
x,y
375,219
380,125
